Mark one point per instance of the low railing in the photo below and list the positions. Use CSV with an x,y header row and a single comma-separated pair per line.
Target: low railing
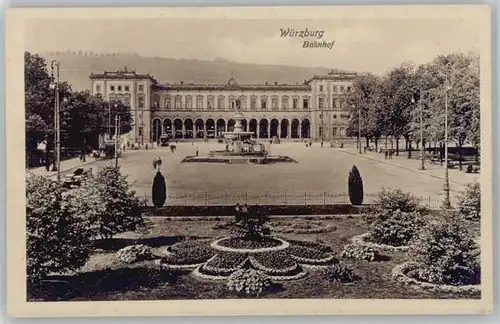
x,y
287,198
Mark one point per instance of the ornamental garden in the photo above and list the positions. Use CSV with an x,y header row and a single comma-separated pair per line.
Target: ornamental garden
x,y
105,246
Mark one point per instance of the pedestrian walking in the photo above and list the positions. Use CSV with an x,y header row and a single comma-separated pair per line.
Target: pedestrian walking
x,y
196,150
390,154
386,154
155,163
159,162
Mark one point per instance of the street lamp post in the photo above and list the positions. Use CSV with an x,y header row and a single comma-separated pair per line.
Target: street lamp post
x,y
422,148
446,203
359,128
54,84
116,141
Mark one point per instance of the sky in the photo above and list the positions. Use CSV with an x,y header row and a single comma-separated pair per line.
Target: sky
x,y
370,45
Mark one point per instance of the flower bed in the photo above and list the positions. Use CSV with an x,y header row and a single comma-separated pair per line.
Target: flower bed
x,y
188,253
400,273
221,245
223,264
275,260
302,227
314,245
364,239
240,243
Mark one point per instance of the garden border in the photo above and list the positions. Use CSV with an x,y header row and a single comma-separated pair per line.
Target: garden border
x,y
399,274
362,240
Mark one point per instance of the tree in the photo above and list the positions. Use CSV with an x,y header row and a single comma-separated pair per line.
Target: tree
x,y
355,186
365,97
39,102
159,190
121,211
81,119
398,91
58,239
124,113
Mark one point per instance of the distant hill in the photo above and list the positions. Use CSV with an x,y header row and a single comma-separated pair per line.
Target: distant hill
x,y
77,65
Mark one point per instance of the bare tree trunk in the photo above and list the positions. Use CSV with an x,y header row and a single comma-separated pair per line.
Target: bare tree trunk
x,y
397,146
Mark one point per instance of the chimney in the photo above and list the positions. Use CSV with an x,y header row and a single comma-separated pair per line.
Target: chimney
x,y
275,82
182,82
266,82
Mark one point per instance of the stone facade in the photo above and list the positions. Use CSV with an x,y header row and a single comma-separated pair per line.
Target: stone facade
x,y
315,109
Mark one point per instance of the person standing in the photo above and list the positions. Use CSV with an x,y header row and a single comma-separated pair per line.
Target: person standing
x,y
158,163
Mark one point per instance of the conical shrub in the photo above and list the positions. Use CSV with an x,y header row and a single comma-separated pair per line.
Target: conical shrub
x,y
159,190
355,184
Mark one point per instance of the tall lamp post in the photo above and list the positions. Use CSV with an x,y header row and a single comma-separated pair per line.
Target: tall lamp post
x,y
116,140
54,84
359,128
422,149
447,87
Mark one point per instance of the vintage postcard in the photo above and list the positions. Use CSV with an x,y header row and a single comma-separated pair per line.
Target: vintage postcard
x,y
249,161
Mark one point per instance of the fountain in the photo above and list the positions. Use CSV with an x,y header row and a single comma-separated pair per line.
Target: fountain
x,y
241,147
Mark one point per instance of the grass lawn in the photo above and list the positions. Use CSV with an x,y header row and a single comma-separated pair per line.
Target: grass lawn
x,y
105,278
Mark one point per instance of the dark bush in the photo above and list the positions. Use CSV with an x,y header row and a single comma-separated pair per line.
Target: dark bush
x,y
394,228
57,231
339,272
469,204
446,251
355,187
159,190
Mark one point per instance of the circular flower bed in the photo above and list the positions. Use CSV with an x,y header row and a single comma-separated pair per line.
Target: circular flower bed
x,y
276,258
240,245
402,273
187,254
310,227
364,239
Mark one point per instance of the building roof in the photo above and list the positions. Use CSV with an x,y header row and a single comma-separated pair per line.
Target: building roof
x,y
122,74
336,75
232,84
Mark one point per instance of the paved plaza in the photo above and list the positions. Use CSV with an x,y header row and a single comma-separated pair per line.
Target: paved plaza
x,y
319,177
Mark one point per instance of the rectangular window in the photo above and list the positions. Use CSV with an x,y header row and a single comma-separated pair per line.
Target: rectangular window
x,y
253,104
334,132
295,103
232,104
334,89
321,103
275,104
210,105
126,100
341,88
285,103
305,104
178,103
98,88
127,88
119,88
199,103
189,104
263,104
141,102
342,103
220,103
112,88
348,89
140,131
167,103
243,103
141,87
321,88
334,102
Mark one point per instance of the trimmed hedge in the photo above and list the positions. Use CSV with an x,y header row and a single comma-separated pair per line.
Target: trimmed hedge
x,y
336,209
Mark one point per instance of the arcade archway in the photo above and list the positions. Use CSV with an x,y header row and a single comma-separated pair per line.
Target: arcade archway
x,y
305,128
178,128
263,124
